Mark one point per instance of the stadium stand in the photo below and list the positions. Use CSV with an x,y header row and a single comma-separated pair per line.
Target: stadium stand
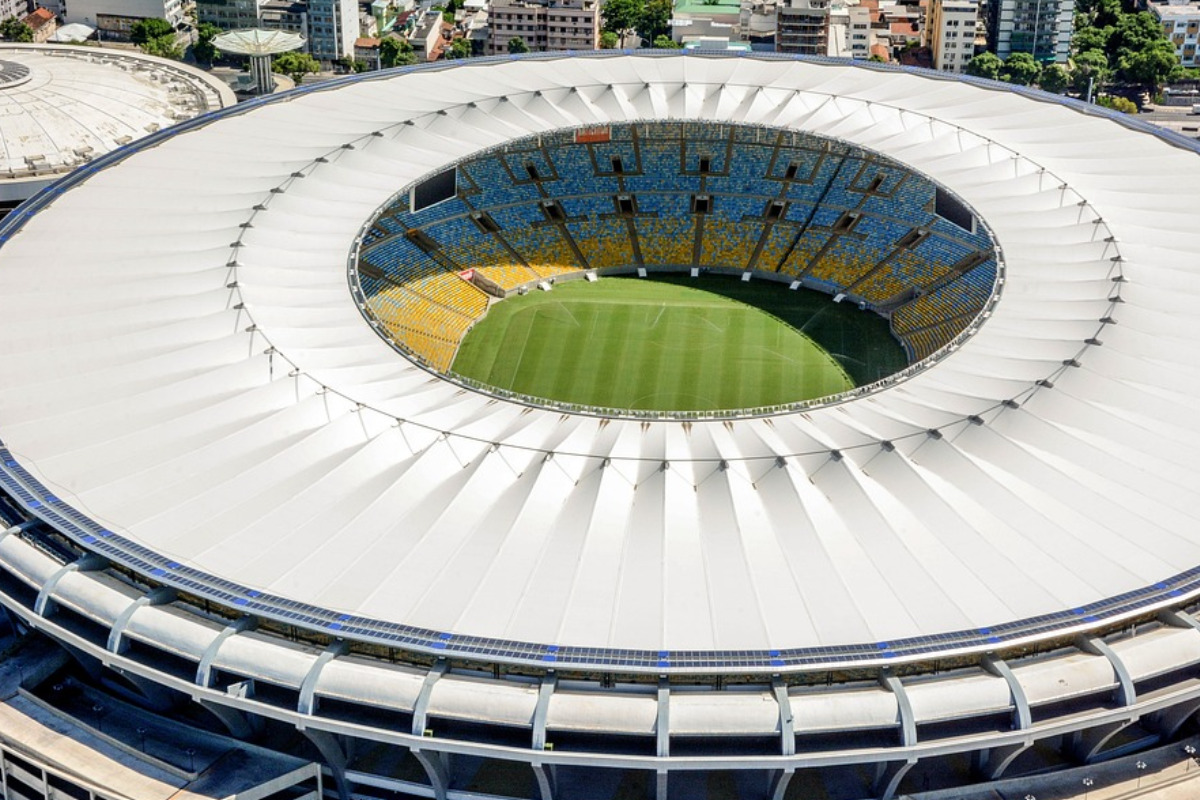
x,y
430,315
508,276
667,242
729,244
603,242
846,261
672,195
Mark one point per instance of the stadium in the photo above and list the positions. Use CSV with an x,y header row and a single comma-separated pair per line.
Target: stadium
x,y
255,498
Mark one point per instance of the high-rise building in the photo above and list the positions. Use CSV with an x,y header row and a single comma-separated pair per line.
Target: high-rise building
x,y
803,27
547,25
858,36
1181,24
951,33
332,29
1039,27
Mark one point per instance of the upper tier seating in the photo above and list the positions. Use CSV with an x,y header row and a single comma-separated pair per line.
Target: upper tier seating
x,y
677,195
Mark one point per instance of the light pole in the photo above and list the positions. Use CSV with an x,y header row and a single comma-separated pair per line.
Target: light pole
x,y
1087,787
1191,754
191,754
1037,26
142,734
98,710
1141,768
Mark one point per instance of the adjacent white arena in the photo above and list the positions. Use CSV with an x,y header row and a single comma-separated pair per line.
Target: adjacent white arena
x,y
63,106
986,565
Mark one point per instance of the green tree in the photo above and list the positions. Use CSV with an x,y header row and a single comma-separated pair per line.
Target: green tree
x,y
655,20
1122,104
1131,34
1054,78
664,42
14,30
1089,67
609,41
355,65
622,15
985,65
1105,13
1021,69
517,45
1090,38
144,30
459,49
296,65
204,50
163,47
1132,43
1151,66
394,52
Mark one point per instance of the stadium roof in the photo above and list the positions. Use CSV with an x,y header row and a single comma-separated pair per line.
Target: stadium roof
x,y
62,106
187,371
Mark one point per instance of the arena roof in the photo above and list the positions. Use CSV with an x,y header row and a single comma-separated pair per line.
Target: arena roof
x,y
62,106
258,42
190,390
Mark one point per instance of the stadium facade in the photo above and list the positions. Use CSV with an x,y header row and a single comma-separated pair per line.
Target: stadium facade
x,y
230,497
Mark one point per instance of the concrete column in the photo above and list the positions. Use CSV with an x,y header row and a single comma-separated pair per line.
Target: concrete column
x,y
1084,746
888,775
545,780
204,669
787,728
335,757
307,704
436,769
116,634
778,780
991,763
44,606
906,718
545,692
421,706
1022,717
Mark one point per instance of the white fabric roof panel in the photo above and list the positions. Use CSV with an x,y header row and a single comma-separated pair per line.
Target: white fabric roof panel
x,y
143,397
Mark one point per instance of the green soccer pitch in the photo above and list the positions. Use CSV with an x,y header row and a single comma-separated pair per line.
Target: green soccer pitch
x,y
674,343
